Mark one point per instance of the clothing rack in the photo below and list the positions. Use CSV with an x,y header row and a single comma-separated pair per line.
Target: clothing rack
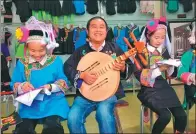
x,y
109,22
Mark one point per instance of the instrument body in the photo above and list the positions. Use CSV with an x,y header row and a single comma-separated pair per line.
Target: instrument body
x,y
108,79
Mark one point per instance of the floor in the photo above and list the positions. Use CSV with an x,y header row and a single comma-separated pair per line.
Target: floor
x,y
129,117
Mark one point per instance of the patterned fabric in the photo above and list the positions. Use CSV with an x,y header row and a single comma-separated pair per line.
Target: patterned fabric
x,y
146,75
145,78
154,59
76,78
62,85
35,66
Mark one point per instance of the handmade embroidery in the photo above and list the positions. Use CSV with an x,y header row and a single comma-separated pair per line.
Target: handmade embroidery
x,y
35,66
62,85
145,78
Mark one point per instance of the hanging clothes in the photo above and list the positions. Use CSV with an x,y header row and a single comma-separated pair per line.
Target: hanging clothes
x,y
65,40
68,7
49,10
5,77
5,46
36,4
136,31
110,7
92,6
55,8
68,41
23,9
126,6
172,6
60,41
5,51
47,6
8,11
119,34
79,37
79,6
187,5
110,35
147,6
8,38
121,6
131,6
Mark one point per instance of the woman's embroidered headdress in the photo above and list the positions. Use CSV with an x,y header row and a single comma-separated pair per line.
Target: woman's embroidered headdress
x,y
192,37
35,30
151,26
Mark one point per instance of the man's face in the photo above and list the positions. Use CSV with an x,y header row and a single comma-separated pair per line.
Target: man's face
x,y
97,30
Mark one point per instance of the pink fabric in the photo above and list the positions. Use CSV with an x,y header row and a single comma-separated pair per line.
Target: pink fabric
x,y
156,53
153,24
185,78
163,19
55,33
25,34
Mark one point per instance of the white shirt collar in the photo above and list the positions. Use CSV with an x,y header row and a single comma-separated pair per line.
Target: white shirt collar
x,y
99,49
42,62
152,49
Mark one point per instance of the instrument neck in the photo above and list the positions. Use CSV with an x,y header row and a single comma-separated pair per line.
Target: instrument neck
x,y
122,57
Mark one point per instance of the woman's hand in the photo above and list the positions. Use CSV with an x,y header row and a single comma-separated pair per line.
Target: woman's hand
x,y
164,67
48,86
26,87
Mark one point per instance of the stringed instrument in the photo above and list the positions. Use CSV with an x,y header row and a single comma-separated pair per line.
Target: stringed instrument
x,y
108,79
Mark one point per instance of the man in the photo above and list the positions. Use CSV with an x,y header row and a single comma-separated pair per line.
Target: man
x,y
82,107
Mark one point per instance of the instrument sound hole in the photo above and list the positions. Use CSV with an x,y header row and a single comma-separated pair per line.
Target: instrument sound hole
x,y
99,84
91,67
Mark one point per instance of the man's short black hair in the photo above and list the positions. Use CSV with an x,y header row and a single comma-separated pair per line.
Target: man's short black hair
x,y
96,17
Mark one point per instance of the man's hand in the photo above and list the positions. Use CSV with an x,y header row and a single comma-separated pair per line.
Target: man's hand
x,y
119,66
88,77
